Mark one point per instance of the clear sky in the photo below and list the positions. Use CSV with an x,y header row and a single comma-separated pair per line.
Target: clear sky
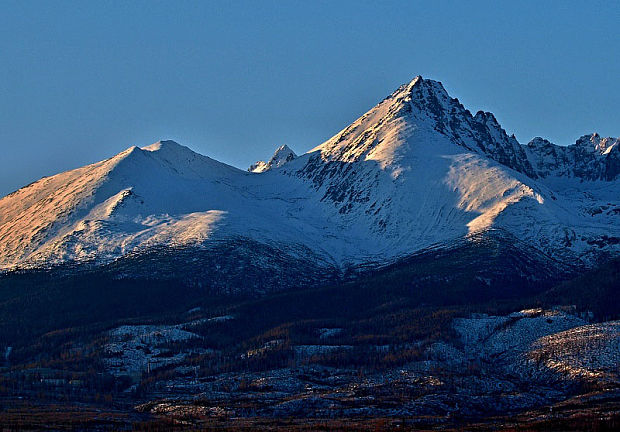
x,y
81,81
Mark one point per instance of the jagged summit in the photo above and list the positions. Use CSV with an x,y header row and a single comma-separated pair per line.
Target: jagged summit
x,y
283,150
591,158
420,86
282,155
598,143
415,112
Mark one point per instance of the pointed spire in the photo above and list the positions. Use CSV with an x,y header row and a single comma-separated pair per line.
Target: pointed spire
x,y
282,155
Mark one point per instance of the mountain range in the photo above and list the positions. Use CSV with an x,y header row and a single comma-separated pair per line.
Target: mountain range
x,y
420,270
416,174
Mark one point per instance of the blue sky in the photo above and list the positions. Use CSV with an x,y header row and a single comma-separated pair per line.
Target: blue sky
x,y
81,81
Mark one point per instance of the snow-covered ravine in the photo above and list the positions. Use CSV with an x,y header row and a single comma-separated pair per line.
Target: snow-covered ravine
x,y
417,170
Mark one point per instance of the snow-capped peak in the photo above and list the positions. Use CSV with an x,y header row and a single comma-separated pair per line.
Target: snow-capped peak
x,y
419,86
414,82
423,104
282,155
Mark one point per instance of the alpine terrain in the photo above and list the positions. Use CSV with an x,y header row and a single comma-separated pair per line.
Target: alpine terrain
x,y
421,267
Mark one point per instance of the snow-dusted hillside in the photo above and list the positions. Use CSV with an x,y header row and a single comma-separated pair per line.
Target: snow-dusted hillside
x,y
416,171
590,351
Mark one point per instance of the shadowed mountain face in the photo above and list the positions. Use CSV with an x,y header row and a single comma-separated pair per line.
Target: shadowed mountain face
x,y
417,172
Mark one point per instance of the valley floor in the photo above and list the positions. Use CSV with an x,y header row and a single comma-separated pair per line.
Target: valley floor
x,y
595,411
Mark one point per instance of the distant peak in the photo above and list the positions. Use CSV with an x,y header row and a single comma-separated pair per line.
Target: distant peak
x,y
162,144
169,143
258,167
539,142
282,155
421,91
283,149
421,85
595,142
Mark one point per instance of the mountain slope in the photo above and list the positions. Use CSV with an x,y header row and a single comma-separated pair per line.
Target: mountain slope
x,y
417,171
420,168
162,181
